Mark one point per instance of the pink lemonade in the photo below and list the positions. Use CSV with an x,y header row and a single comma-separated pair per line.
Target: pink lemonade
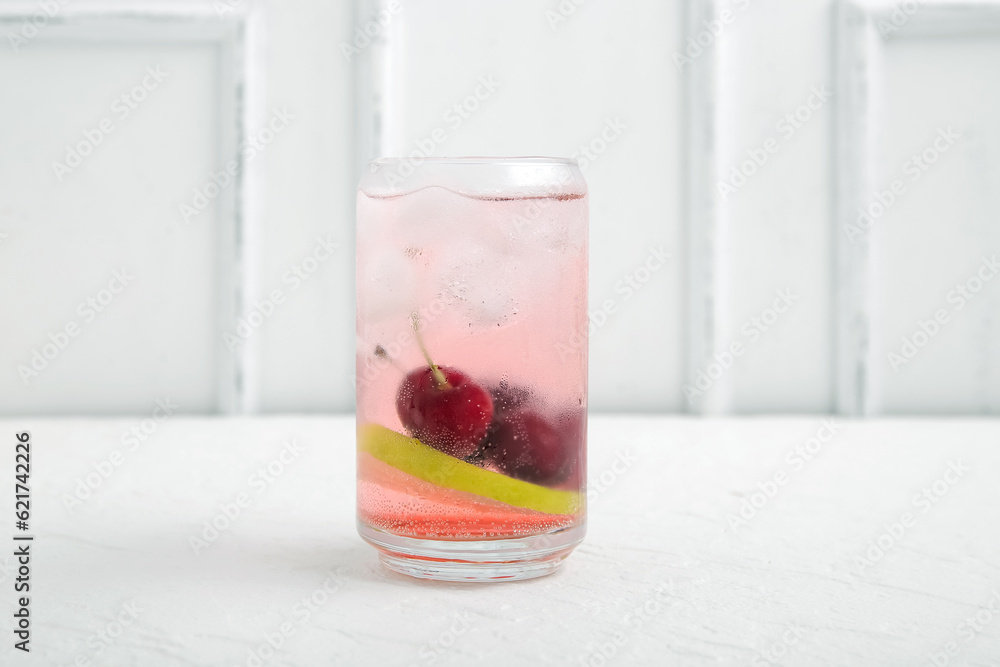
x,y
472,365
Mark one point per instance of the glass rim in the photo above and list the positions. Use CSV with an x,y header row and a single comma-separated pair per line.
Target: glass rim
x,y
480,159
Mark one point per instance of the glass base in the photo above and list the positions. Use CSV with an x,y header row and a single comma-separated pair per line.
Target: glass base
x,y
510,559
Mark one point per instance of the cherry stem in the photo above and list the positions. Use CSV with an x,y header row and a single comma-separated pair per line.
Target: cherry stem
x,y
438,375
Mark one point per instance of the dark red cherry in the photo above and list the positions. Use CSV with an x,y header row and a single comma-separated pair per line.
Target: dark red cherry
x,y
507,397
451,416
526,445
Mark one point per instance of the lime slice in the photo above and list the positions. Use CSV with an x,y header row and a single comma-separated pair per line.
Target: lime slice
x,y
415,458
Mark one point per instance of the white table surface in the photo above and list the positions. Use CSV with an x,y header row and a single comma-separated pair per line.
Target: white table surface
x,y
785,588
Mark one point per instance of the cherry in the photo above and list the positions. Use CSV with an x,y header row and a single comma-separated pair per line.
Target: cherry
x,y
506,398
526,445
442,407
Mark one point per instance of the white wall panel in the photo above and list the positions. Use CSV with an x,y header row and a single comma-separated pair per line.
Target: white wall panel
x,y
921,162
943,225
765,197
117,211
306,348
218,345
779,222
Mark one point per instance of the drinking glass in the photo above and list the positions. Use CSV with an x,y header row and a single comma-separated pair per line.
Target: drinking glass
x,y
472,365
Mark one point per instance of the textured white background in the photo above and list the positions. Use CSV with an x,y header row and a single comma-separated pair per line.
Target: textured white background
x,y
662,493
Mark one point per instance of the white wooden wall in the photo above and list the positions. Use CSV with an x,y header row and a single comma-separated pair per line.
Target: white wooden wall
x,y
662,101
